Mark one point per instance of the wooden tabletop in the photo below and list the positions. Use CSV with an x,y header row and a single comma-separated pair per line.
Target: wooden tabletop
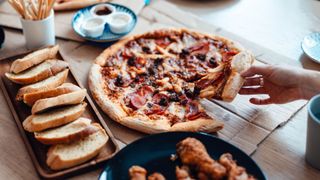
x,y
273,24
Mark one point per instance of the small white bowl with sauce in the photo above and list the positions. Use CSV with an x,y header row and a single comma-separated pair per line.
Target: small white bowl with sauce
x,y
93,27
103,10
119,22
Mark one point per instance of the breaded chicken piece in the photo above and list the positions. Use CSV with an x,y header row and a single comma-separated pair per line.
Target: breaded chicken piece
x,y
234,171
137,173
193,153
156,176
183,173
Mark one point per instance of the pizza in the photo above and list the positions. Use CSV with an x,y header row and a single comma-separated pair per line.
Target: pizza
x,y
74,4
154,82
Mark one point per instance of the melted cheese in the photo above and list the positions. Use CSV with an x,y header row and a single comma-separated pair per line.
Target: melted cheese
x,y
177,110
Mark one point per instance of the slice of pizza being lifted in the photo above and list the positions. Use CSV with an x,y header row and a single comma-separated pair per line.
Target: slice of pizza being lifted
x,y
153,82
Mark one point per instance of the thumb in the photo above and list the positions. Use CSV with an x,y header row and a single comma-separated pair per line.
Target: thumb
x,y
263,70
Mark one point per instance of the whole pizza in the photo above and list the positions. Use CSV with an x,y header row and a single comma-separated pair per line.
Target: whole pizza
x,y
154,82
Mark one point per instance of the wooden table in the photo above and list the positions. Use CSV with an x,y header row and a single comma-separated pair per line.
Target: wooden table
x,y
273,24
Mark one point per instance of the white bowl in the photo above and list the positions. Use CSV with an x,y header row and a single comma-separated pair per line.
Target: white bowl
x,y
119,22
100,8
93,27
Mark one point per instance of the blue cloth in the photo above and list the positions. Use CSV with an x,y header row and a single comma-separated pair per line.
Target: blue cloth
x,y
147,2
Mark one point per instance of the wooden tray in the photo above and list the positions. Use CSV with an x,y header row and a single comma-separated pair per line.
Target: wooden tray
x,y
37,150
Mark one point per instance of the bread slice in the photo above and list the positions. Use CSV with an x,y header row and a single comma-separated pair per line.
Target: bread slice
x,y
62,100
34,58
54,118
49,83
68,133
65,88
63,156
37,73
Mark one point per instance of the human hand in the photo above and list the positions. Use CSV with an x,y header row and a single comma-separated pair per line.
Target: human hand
x,y
281,84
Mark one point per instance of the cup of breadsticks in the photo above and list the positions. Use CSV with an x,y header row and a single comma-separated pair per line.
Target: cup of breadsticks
x,y
37,20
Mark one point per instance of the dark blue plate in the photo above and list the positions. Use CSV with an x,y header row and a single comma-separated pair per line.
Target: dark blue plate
x,y
107,35
153,153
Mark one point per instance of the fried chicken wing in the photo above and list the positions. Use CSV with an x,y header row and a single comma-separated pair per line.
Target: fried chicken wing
x,y
183,173
234,171
156,176
194,154
137,173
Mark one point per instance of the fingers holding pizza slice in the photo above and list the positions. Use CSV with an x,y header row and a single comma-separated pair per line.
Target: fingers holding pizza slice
x,y
153,82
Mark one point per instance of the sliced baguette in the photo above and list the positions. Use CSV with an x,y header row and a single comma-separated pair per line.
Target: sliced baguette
x,y
73,131
34,58
31,98
54,118
49,83
37,73
63,156
62,100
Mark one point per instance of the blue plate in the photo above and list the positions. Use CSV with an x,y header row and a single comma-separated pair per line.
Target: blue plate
x,y
107,35
311,46
153,153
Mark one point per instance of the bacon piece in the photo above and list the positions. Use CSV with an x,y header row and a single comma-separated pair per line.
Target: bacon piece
x,y
200,48
193,111
155,109
208,80
163,42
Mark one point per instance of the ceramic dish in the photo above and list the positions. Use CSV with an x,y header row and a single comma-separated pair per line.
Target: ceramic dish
x,y
153,153
311,46
107,36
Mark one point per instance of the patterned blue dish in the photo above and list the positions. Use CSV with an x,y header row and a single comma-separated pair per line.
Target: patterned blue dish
x,y
107,35
311,46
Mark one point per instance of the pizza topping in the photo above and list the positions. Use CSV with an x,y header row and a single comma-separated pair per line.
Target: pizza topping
x,y
136,101
192,110
201,57
174,97
155,109
163,42
212,62
208,80
145,91
161,99
119,81
131,61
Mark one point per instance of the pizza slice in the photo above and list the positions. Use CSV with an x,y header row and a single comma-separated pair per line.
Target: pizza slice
x,y
74,4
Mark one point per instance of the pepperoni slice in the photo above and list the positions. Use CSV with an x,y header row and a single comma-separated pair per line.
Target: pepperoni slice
x,y
137,101
193,111
145,91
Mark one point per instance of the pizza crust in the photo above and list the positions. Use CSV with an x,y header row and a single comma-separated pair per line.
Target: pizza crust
x,y
76,4
143,123
239,63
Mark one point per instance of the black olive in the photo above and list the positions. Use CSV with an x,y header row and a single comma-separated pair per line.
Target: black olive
x,y
158,61
184,102
213,61
196,91
201,57
163,102
185,51
156,92
174,97
146,49
119,81
151,71
132,61
149,105
132,85
188,93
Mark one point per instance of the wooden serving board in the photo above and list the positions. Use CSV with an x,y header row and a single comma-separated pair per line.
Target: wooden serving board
x,y
38,151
